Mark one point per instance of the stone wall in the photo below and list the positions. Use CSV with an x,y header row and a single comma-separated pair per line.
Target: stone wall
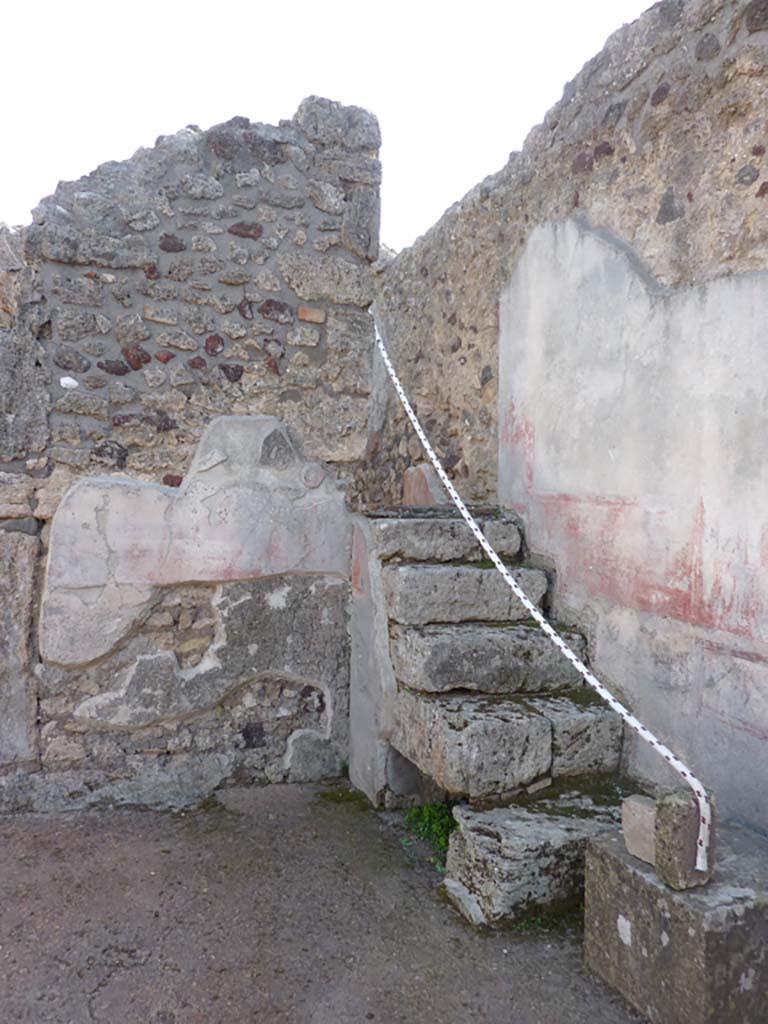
x,y
622,394
219,272
661,138
221,277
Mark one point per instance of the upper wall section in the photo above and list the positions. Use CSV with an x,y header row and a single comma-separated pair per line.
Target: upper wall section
x,y
661,138
633,434
222,271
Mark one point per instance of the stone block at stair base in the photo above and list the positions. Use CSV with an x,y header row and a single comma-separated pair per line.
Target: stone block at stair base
x,y
695,957
586,736
486,746
513,860
418,594
487,659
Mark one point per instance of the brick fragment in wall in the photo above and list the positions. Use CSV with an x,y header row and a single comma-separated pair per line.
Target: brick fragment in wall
x,y
136,356
311,314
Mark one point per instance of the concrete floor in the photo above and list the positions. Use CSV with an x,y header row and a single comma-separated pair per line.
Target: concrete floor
x,y
280,906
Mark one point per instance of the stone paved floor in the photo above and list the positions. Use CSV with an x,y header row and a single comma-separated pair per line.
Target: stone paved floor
x,y
282,906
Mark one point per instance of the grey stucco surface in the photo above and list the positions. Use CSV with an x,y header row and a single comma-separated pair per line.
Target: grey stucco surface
x,y
633,419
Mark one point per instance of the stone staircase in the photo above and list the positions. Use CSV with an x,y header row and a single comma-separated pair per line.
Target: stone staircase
x,y
473,703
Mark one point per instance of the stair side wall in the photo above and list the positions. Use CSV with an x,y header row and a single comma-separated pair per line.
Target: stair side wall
x,y
628,434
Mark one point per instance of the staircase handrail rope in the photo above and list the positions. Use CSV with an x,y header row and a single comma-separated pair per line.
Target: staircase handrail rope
x,y
705,811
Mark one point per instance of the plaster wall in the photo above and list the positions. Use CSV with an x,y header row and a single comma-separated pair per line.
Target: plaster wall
x,y
185,358
633,423
614,391
661,138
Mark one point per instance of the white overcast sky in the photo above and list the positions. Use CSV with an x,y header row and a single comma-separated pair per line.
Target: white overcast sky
x,y
456,85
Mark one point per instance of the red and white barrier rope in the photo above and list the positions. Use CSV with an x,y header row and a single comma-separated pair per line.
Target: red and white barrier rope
x,y
705,811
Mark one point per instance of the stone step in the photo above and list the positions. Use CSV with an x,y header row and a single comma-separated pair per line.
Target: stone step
x,y
420,594
489,746
429,539
486,659
508,862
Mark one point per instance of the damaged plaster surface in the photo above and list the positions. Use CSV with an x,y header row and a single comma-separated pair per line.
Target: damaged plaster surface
x,y
633,419
661,138
195,634
249,507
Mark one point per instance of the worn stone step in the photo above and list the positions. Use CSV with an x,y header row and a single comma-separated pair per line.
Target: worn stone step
x,y
486,659
420,594
429,539
508,862
486,746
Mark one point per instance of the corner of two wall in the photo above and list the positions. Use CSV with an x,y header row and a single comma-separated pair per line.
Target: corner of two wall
x,y
582,335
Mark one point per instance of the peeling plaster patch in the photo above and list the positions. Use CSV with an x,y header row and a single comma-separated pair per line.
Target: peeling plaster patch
x,y
625,929
664,939
156,688
115,541
747,980
278,599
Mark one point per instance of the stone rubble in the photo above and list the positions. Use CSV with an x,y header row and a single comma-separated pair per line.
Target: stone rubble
x,y
509,862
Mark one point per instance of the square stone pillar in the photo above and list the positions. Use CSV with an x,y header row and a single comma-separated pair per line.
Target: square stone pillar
x,y
693,957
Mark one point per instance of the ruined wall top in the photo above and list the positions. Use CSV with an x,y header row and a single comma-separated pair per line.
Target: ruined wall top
x,y
221,271
661,139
